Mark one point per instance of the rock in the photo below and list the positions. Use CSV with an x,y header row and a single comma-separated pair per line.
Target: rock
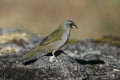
x,y
82,60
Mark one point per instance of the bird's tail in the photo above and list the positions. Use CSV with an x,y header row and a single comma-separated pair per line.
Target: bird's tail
x,y
31,53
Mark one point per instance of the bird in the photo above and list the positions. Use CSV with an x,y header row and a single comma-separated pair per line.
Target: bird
x,y
55,40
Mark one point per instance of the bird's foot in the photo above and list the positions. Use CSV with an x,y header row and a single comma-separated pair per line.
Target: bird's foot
x,y
52,59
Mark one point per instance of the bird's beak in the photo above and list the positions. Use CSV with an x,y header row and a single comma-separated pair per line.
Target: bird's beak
x,y
74,27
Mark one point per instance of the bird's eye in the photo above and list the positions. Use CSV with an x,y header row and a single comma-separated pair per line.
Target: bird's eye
x,y
71,24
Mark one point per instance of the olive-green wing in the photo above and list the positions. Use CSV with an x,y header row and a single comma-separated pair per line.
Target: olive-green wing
x,y
31,53
56,35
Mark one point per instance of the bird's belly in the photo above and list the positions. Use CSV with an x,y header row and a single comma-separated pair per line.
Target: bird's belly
x,y
59,44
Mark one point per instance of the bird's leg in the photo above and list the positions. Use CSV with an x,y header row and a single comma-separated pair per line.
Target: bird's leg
x,y
53,58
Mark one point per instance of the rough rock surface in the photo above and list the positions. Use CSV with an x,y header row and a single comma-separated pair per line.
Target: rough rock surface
x,y
83,60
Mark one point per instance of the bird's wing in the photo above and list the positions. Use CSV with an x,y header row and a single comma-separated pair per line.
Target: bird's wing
x,y
31,53
56,35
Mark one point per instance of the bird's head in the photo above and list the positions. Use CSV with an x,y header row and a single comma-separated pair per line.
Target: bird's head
x,y
69,24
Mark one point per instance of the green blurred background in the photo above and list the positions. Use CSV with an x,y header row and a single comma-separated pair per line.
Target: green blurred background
x,y
95,18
